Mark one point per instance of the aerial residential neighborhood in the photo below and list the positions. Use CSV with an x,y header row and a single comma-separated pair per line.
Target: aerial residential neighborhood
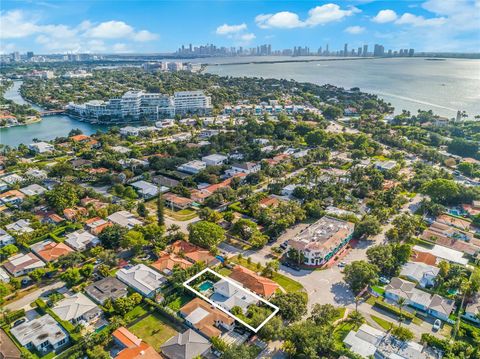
x,y
288,220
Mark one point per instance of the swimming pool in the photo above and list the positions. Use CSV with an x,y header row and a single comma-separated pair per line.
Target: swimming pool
x,y
205,286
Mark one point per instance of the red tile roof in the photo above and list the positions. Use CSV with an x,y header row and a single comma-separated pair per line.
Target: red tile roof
x,y
256,283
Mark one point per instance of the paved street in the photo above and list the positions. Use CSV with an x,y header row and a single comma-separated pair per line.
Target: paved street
x,y
25,301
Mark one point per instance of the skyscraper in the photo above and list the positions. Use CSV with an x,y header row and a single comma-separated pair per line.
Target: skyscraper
x,y
345,50
359,51
365,50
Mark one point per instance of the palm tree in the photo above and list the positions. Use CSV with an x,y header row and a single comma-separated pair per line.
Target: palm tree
x,y
356,318
401,303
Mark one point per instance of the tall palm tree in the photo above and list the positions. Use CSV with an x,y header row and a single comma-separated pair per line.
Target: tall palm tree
x,y
401,303
356,318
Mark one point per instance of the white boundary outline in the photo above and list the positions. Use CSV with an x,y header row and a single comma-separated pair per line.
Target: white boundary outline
x,y
275,308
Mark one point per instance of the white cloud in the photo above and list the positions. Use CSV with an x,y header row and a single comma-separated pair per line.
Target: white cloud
x,y
355,30
316,16
328,13
229,29
85,37
384,16
281,20
237,33
415,20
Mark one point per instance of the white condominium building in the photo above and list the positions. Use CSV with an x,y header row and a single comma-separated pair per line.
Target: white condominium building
x,y
192,102
139,105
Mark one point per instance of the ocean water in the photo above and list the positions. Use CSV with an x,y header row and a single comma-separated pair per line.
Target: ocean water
x,y
407,83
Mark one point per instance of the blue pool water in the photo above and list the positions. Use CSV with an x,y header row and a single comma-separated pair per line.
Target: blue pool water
x,y
205,286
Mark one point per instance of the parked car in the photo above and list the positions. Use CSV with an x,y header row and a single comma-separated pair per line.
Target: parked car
x,y
284,245
341,264
384,280
437,324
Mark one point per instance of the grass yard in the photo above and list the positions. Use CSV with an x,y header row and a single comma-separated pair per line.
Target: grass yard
x,y
182,215
385,324
154,329
135,313
340,333
288,284
224,271
179,302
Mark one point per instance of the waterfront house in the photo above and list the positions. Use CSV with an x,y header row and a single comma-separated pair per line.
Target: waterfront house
x,y
42,334
41,147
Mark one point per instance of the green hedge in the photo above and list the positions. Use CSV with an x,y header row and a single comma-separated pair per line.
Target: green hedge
x,y
392,309
13,316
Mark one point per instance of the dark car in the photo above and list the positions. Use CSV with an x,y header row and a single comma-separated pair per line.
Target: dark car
x,y
18,322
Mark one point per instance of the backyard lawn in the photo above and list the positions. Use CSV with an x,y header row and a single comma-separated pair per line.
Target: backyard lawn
x,y
154,329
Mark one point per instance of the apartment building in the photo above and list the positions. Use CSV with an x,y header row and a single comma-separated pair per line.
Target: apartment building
x,y
188,102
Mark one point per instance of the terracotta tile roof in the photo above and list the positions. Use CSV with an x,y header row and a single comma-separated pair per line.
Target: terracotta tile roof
x,y
127,338
173,198
52,251
256,283
223,184
206,325
453,221
135,348
169,260
12,193
192,252
269,201
79,138
424,257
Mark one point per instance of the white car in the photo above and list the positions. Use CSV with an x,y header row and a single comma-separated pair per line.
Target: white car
x,y
437,324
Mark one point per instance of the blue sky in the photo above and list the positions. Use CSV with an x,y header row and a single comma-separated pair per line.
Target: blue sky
x,y
162,26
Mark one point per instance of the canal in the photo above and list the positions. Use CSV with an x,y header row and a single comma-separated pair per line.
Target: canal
x,y
49,128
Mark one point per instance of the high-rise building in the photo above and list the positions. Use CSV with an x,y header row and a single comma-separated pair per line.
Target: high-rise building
x,y
378,50
359,51
345,50
365,51
29,54
411,52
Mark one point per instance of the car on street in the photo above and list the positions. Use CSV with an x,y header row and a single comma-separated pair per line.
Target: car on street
x,y
384,280
341,264
437,324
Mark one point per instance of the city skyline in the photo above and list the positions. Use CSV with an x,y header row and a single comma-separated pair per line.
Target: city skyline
x,y
159,27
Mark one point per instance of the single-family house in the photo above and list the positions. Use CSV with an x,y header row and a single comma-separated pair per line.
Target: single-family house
x,y
246,167
143,279
124,219
472,309
33,190
132,347
434,305
192,167
42,334
205,318
256,283
105,289
12,197
50,251
146,189
193,253
4,277
5,238
385,165
41,147
167,261
228,295
186,345
174,201
421,273
22,264
77,308
81,240
214,159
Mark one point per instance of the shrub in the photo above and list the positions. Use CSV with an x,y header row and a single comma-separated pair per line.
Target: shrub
x,y
392,309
